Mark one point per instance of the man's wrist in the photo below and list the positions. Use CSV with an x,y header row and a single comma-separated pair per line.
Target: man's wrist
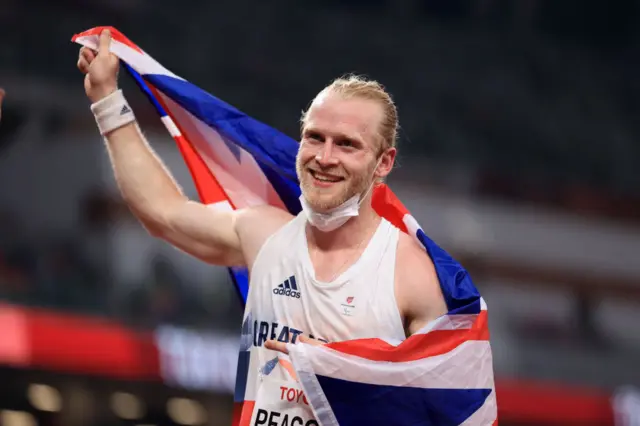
x,y
101,94
112,112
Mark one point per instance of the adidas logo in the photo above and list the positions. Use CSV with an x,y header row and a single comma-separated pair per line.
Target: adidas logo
x,y
288,288
125,109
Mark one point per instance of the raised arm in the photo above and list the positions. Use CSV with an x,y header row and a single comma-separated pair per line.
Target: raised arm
x,y
158,202
148,187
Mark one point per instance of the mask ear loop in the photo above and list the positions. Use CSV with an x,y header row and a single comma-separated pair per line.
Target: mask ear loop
x,y
373,182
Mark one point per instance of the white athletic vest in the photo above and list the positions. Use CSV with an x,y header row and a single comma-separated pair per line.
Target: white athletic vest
x,y
285,300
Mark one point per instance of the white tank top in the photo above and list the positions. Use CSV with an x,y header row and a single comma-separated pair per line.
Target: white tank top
x,y
285,300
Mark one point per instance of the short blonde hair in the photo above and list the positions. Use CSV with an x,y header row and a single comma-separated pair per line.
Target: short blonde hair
x,y
354,86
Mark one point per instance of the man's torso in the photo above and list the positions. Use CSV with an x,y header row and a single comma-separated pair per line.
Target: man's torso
x,y
285,300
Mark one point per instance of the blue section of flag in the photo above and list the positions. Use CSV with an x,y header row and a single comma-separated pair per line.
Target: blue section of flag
x,y
233,148
288,191
240,277
264,143
274,151
458,290
357,403
242,373
145,88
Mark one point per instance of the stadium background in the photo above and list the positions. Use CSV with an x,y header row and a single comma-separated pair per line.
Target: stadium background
x,y
518,150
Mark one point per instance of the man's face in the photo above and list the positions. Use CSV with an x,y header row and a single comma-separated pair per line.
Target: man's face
x,y
339,150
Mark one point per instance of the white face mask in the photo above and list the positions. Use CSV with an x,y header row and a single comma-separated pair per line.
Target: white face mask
x,y
335,218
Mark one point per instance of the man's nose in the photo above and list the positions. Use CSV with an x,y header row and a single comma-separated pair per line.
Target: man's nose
x,y
325,156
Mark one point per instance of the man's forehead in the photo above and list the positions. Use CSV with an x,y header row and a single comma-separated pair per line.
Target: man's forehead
x,y
356,115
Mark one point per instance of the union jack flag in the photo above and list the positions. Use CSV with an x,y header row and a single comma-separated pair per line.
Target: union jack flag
x,y
442,375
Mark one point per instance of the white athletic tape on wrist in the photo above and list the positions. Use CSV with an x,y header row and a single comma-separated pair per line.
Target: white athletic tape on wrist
x,y
112,112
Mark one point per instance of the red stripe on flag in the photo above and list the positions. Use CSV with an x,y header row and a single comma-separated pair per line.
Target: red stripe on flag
x,y
242,412
115,35
416,347
388,206
209,189
237,413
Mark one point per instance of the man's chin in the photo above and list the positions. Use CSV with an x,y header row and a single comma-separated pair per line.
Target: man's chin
x,y
322,203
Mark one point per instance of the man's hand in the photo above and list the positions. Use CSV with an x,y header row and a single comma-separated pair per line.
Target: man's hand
x,y
275,345
101,69
2,93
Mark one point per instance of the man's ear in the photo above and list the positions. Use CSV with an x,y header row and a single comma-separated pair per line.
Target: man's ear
x,y
387,160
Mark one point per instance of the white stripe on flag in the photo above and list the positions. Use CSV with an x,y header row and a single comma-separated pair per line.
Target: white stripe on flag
x,y
450,322
223,206
483,304
171,126
412,226
141,62
469,366
485,415
237,172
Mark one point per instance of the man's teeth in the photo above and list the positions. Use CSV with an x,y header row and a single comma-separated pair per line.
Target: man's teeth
x,y
325,178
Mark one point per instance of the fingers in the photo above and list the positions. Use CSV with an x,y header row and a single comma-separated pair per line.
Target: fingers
x,y
105,42
85,58
87,54
275,345
309,340
83,65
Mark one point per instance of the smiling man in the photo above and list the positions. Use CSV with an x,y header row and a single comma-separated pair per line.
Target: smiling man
x,y
337,271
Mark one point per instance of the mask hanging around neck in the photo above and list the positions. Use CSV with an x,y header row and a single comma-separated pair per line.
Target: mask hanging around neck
x,y
335,218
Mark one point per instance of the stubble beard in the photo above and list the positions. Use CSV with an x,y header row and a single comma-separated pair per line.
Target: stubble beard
x,y
322,200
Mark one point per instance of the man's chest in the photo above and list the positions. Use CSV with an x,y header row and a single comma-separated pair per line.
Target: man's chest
x,y
284,310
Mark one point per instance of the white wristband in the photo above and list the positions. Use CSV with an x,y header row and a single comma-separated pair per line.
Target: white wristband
x,y
112,112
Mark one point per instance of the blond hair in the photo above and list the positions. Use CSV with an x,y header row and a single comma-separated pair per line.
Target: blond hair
x,y
354,86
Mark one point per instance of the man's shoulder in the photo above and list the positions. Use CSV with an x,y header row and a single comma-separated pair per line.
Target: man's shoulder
x,y
417,279
413,258
264,217
254,226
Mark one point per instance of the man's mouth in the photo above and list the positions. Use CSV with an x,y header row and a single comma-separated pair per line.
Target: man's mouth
x,y
324,177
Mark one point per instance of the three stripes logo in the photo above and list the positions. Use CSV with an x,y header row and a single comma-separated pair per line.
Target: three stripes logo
x,y
288,288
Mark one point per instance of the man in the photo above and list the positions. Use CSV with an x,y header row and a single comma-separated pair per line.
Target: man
x,y
335,272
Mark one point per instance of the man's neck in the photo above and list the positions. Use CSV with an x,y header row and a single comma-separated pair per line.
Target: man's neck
x,y
348,235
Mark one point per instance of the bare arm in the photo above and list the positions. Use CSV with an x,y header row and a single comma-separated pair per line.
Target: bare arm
x,y
227,238
159,204
418,292
153,195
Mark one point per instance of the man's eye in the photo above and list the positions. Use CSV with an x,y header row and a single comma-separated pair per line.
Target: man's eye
x,y
345,143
